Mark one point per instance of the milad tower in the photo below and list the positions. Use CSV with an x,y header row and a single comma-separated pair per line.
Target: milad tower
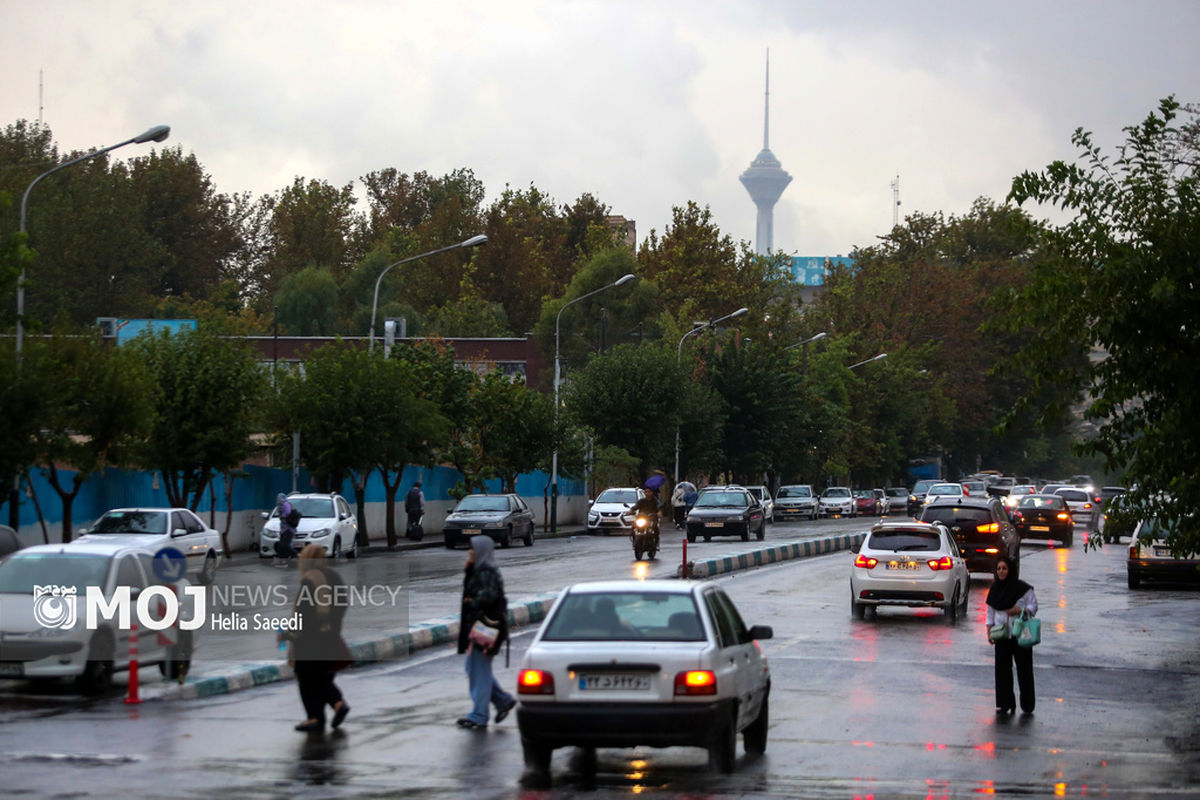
x,y
765,180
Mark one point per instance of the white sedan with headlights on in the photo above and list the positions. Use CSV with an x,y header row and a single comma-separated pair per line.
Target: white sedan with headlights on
x,y
658,663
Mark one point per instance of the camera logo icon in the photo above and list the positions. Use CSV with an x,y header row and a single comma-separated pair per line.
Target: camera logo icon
x,y
54,606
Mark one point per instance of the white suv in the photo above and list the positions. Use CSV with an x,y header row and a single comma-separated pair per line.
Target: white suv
x,y
838,500
325,519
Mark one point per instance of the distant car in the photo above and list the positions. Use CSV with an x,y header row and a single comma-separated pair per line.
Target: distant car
x,y
838,501
504,517
610,510
897,498
1051,488
909,564
1044,516
1150,558
156,528
1083,509
42,638
885,502
1001,486
942,491
657,663
1017,492
325,519
726,511
981,528
865,502
916,498
796,500
764,496
1118,521
974,488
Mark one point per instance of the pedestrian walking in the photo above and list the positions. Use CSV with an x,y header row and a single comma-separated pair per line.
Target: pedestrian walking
x,y
288,519
1008,599
414,507
677,507
317,650
483,629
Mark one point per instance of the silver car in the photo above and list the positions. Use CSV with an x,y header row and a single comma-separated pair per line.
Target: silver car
x,y
796,500
764,496
909,564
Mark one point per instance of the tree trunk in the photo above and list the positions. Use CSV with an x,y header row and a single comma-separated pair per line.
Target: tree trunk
x,y
360,502
67,498
390,490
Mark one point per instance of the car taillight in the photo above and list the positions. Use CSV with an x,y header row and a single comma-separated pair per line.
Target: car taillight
x,y
1087,506
1018,516
866,562
696,681
942,563
1063,515
535,681
989,527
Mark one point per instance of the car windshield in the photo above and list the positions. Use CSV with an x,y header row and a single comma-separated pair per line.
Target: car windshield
x,y
795,491
956,515
906,541
896,492
839,492
314,507
1074,495
758,491
131,522
626,616
721,500
1041,501
21,572
618,496
974,487
945,488
865,493
922,486
481,502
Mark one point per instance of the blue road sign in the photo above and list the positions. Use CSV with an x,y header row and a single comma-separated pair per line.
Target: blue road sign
x,y
169,565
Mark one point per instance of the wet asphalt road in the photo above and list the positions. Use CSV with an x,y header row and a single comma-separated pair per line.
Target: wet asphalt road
x,y
897,705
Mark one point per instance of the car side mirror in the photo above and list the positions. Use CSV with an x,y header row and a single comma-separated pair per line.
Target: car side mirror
x,y
266,515
178,532
761,632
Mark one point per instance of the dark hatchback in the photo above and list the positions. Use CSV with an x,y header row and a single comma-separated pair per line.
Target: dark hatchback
x,y
981,528
503,517
1044,516
728,511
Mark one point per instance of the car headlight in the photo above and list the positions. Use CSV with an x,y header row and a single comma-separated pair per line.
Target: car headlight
x,y
593,517
320,533
499,524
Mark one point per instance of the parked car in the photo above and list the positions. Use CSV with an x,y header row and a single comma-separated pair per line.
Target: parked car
x,y
885,502
866,503
155,528
1083,509
897,498
1150,558
610,509
43,635
1117,521
325,519
657,663
503,517
838,501
796,500
916,498
909,564
726,511
764,497
981,529
1044,516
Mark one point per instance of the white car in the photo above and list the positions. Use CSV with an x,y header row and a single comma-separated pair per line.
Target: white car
x,y
156,528
657,663
610,510
838,500
943,491
1150,558
1083,510
796,500
44,634
325,519
909,564
764,496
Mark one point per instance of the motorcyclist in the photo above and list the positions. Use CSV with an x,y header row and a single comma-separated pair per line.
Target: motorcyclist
x,y
648,507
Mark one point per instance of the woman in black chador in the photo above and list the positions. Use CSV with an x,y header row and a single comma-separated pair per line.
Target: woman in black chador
x,y
1009,598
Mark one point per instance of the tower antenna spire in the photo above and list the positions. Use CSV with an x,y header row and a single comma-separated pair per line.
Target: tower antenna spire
x,y
767,105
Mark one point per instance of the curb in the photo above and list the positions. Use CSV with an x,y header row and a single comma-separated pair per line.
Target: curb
x,y
445,631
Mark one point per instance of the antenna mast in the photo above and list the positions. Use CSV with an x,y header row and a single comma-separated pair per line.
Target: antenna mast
x,y
896,201
39,98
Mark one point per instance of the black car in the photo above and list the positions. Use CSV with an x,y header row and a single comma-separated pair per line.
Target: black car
x,y
1044,516
727,511
980,526
916,498
503,517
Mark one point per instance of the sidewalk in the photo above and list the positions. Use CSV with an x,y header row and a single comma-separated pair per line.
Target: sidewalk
x,y
444,630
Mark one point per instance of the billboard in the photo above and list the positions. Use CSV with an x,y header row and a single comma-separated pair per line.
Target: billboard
x,y
810,270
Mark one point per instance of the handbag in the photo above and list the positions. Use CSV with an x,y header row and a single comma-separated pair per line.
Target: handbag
x,y
484,633
997,632
1027,631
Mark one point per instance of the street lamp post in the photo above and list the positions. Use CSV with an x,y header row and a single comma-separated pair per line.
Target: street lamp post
x,y
879,357
474,241
557,382
805,344
156,134
679,357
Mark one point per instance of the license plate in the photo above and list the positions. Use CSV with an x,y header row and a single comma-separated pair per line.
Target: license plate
x,y
903,565
1162,552
471,531
11,669
1042,528
608,682
714,524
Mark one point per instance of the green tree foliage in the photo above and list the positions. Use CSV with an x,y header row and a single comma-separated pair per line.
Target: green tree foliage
x,y
96,408
311,224
514,428
25,400
307,302
1127,264
205,395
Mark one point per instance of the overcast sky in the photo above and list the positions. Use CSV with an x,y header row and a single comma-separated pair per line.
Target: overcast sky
x,y
645,104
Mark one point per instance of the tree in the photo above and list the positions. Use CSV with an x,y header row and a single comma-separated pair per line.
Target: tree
x,y
311,224
1128,262
514,428
307,302
205,393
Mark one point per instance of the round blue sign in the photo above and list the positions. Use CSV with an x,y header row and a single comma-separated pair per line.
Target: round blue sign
x,y
169,565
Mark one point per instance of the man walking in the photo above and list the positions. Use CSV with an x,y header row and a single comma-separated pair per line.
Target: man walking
x,y
414,507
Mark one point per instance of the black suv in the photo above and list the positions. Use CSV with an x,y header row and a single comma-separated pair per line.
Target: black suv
x,y
980,526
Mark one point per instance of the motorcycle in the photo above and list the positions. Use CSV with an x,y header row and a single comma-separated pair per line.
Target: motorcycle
x,y
644,537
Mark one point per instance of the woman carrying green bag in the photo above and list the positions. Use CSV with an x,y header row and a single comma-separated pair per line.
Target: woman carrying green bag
x,y
1009,599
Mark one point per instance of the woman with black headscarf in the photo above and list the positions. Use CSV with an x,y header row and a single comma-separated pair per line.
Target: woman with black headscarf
x,y
483,601
1009,598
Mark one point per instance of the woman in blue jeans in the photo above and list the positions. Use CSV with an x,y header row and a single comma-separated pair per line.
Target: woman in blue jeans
x,y
483,600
